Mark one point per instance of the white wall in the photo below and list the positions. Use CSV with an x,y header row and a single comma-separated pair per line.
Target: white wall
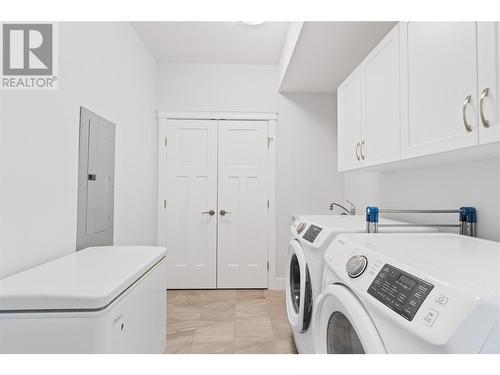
x,y
362,189
292,36
452,185
106,68
306,133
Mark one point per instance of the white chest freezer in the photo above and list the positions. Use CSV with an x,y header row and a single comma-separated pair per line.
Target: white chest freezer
x,y
108,299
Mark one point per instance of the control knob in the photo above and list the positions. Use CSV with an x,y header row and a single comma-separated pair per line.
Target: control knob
x,y
300,228
356,265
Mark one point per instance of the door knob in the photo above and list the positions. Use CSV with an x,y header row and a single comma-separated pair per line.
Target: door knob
x,y
224,212
211,213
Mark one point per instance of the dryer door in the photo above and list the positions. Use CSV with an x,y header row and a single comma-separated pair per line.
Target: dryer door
x,y
298,288
342,324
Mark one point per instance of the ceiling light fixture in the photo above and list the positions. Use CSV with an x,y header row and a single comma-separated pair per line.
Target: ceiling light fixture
x,y
252,23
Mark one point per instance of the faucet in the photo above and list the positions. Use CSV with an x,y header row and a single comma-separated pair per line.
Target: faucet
x,y
350,211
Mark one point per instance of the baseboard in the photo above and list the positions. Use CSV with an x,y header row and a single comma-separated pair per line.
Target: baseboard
x,y
278,283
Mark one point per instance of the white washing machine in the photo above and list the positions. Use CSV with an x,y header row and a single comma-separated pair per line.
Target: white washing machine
x,y
409,293
311,235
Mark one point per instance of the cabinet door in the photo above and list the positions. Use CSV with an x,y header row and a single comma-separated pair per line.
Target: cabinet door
x,y
442,74
350,119
382,129
488,48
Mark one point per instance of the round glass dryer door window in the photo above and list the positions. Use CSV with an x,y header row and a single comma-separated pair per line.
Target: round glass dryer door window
x,y
308,303
341,336
342,324
295,283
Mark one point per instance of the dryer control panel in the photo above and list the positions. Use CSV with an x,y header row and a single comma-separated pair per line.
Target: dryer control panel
x,y
311,233
400,291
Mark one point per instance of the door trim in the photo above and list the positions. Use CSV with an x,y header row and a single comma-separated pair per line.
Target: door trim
x,y
220,115
273,282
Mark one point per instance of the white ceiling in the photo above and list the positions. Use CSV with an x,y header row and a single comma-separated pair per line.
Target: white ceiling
x,y
214,42
327,52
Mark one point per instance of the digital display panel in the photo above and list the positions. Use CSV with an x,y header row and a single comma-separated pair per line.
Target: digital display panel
x,y
406,280
400,291
311,233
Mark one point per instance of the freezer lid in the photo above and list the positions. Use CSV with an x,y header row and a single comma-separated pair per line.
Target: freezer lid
x,y
89,279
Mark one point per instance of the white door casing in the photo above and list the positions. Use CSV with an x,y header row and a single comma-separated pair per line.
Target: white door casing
x,y
191,192
488,50
167,225
441,75
242,230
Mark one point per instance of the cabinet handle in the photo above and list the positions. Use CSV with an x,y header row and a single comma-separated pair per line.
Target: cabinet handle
x,y
484,94
211,213
361,150
357,151
224,212
464,113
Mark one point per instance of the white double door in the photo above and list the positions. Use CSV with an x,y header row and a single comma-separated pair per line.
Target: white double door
x,y
216,203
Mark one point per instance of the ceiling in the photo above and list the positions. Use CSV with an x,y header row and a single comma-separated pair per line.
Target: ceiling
x,y
327,52
214,42
324,53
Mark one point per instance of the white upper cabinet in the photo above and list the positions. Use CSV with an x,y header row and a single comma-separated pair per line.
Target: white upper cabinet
x,y
442,88
350,120
488,50
427,88
369,108
383,112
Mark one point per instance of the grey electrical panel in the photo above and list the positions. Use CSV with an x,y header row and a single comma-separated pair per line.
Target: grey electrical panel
x,y
96,181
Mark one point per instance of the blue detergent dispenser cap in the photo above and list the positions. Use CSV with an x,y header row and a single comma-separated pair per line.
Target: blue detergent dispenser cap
x,y
468,215
372,214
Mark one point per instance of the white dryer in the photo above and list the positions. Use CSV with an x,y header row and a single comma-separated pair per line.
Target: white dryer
x,y
311,236
305,256
409,293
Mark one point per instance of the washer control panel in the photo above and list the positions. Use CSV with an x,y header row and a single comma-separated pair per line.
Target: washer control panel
x,y
400,291
311,233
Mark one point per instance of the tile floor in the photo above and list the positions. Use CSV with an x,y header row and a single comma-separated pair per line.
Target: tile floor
x,y
228,321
